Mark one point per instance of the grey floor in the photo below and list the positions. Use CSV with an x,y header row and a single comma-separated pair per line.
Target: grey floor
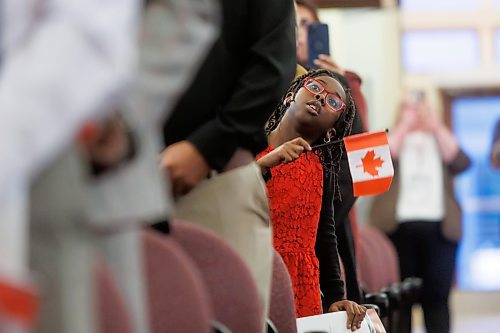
x,y
473,312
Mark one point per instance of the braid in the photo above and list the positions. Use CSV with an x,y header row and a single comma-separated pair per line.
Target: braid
x,y
329,156
281,108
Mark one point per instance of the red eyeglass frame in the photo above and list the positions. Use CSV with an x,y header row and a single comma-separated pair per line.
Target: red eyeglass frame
x,y
326,93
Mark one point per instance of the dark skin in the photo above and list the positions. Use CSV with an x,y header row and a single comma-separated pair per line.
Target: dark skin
x,y
307,115
186,166
306,120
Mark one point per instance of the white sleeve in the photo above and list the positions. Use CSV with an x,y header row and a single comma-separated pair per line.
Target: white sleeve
x,y
75,64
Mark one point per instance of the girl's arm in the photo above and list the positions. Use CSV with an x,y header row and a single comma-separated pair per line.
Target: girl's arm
x,y
331,283
285,153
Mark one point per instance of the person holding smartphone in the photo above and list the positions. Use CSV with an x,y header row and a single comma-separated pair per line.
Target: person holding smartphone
x,y
307,14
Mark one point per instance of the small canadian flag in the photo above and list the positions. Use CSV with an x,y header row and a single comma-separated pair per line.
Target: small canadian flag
x,y
19,303
370,163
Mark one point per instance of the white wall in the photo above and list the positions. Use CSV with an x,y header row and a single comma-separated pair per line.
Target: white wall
x,y
367,42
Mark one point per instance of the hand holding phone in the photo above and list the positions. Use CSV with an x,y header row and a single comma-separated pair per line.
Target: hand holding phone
x,y
417,96
318,42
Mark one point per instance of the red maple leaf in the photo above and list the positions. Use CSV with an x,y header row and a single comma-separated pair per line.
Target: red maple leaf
x,y
370,163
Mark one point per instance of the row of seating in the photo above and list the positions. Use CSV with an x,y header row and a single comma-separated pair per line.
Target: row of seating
x,y
197,283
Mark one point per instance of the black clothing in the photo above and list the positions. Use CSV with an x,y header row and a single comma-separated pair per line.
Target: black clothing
x,y
423,252
343,204
330,281
345,243
335,238
242,80
496,132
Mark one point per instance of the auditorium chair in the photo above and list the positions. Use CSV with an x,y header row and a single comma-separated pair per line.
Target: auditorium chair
x,y
177,295
379,271
112,313
234,295
282,308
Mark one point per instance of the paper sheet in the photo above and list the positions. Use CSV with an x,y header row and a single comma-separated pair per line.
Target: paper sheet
x,y
334,322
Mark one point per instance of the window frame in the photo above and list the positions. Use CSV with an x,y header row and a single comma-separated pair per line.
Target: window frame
x,y
448,96
348,3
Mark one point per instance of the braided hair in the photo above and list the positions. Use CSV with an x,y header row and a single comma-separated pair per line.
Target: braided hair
x,y
330,155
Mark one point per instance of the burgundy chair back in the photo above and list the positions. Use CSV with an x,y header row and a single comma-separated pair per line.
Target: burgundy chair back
x,y
178,298
282,309
377,260
112,312
235,299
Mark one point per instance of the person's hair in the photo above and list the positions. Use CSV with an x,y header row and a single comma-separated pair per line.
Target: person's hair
x,y
309,5
331,154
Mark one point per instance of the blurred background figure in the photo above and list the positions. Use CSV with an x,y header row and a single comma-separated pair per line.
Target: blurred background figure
x,y
419,212
495,146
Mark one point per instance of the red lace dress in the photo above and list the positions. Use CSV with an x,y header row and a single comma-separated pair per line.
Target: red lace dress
x,y
295,191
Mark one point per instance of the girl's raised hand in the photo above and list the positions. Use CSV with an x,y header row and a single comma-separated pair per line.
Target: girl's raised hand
x,y
285,153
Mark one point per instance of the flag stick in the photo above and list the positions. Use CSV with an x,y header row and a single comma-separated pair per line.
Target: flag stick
x,y
326,144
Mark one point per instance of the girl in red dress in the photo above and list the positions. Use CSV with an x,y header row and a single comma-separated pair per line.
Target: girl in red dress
x,y
301,182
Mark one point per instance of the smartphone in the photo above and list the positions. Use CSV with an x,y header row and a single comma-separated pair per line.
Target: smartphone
x,y
417,96
318,42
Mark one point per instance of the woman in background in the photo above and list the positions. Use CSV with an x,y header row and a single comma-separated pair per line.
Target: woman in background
x,y
419,212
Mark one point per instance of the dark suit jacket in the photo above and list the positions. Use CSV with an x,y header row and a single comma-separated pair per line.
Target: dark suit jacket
x,y
237,88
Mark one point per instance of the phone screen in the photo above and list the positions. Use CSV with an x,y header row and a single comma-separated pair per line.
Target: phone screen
x,y
318,42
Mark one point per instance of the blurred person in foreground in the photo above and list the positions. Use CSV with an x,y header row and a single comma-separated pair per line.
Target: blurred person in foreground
x,y
127,193
419,212
65,65
45,96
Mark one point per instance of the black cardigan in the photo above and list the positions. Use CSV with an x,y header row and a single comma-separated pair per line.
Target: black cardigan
x,y
335,208
330,280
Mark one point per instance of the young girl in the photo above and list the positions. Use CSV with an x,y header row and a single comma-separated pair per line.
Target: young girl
x,y
316,109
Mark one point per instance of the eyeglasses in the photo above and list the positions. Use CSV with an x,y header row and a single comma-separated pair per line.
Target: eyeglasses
x,y
334,102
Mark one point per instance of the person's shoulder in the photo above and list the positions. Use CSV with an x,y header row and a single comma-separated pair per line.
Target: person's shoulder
x,y
352,76
496,131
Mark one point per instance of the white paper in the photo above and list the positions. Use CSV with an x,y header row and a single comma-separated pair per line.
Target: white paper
x,y
421,189
335,322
